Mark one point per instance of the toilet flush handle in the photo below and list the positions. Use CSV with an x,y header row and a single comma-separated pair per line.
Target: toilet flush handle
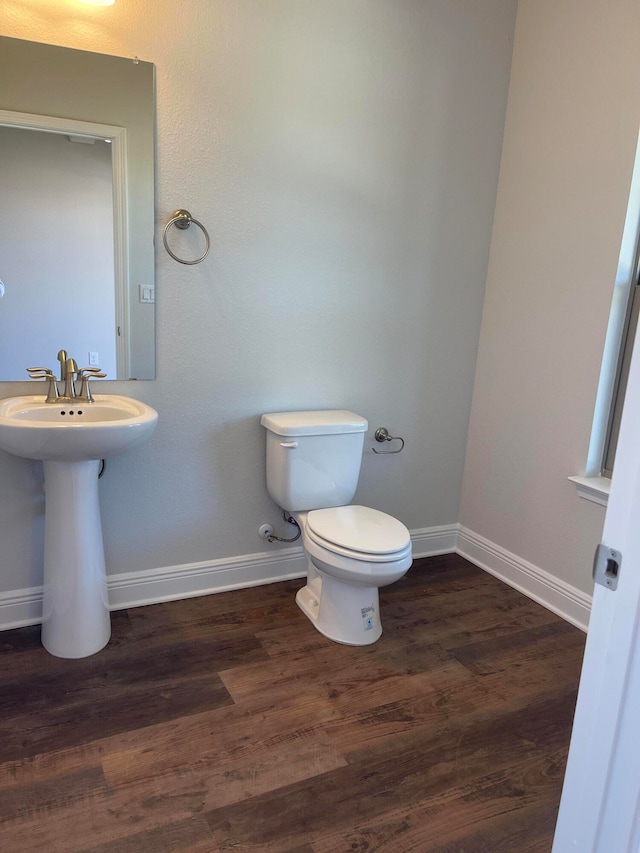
x,y
291,444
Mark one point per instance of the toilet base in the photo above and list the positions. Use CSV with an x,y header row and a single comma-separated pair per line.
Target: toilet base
x,y
343,612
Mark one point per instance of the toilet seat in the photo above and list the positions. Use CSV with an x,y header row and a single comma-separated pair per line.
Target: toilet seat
x,y
359,533
358,569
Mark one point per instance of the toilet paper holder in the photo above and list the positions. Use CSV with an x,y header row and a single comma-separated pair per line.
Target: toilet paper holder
x,y
382,434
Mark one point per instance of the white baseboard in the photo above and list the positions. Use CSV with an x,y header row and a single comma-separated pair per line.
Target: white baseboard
x,y
20,607
152,586
567,601
431,541
132,589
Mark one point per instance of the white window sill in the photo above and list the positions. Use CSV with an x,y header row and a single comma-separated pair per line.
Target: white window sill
x,y
594,489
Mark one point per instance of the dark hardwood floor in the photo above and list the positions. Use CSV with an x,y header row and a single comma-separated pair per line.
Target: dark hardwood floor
x,y
227,723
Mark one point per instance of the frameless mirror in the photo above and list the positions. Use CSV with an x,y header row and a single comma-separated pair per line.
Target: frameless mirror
x,y
76,210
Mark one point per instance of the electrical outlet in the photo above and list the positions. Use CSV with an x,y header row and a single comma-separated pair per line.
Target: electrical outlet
x,y
94,361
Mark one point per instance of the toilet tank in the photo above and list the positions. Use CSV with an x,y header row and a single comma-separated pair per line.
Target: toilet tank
x,y
313,458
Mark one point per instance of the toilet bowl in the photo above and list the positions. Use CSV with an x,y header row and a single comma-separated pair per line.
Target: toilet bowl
x,y
313,464
351,551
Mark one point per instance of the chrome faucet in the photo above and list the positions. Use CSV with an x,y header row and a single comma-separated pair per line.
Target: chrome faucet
x,y
68,373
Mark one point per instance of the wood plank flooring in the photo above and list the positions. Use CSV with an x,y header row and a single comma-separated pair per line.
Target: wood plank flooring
x,y
227,723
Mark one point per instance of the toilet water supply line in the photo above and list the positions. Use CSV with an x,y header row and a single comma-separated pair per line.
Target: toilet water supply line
x,y
291,520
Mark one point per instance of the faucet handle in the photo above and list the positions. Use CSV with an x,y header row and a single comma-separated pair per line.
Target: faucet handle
x,y
45,373
87,373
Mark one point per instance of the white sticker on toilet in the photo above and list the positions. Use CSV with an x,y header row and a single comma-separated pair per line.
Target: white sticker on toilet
x,y
367,617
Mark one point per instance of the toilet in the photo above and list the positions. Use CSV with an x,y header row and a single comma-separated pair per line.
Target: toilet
x,y
313,465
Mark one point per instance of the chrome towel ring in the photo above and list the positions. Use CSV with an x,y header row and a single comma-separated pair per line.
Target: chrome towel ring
x,y
182,219
382,434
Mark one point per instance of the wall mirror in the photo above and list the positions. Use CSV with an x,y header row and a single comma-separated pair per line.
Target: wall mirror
x,y
77,140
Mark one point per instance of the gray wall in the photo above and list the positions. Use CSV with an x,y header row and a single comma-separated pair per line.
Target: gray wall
x,y
344,157
569,147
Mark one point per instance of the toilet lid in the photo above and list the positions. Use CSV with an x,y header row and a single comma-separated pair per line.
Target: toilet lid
x,y
360,529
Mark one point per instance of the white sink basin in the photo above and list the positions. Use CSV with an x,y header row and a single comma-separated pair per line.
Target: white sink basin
x,y
34,429
70,439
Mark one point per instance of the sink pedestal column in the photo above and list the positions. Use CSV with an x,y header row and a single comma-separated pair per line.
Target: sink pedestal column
x,y
76,620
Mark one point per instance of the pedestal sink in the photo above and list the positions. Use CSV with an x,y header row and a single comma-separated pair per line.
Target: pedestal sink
x,y
71,439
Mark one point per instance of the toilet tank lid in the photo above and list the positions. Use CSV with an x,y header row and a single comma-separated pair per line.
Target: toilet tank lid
x,y
314,423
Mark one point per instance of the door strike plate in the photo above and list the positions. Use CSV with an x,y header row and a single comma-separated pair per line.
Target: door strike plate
x,y
606,566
